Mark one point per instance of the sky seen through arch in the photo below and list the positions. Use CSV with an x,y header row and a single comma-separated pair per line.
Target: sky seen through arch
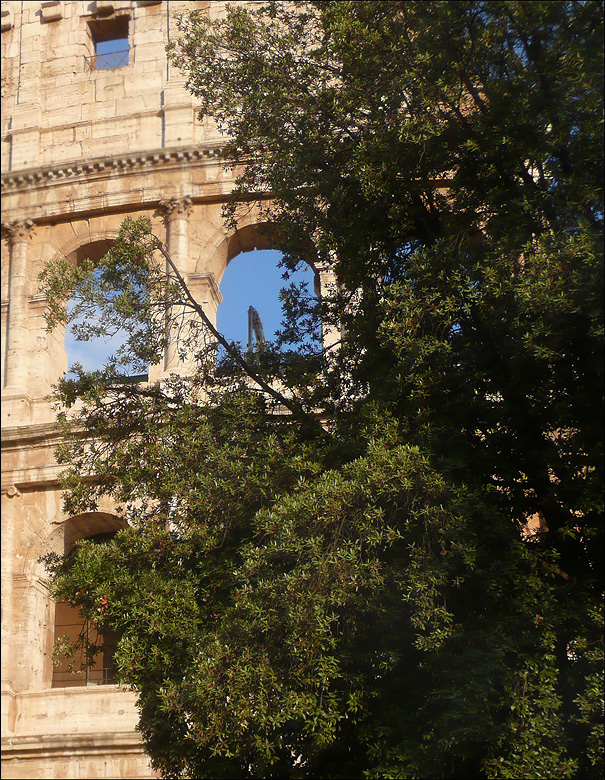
x,y
251,279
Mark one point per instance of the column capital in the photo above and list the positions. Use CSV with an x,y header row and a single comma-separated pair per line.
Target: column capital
x,y
20,230
176,206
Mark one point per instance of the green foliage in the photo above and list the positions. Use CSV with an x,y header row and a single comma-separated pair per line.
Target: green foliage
x,y
327,569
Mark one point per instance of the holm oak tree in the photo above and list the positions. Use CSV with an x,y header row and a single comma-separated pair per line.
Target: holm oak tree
x,y
381,559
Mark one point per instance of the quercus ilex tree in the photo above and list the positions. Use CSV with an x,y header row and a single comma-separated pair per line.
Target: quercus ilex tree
x,y
327,569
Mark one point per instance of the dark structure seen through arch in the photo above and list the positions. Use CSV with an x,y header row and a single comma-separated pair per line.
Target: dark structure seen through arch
x,y
71,670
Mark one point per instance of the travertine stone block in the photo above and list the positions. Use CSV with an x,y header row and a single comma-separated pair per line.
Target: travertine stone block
x,y
26,115
107,87
6,16
153,35
51,11
138,104
25,150
153,83
103,6
178,125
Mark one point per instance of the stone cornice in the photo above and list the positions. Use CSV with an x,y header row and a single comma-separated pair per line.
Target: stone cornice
x,y
36,432
41,745
19,480
17,181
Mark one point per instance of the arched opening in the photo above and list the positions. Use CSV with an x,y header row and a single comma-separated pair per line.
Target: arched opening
x,y
253,278
93,354
71,669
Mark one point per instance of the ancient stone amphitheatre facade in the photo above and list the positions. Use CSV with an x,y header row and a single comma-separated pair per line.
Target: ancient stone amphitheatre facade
x,y
96,125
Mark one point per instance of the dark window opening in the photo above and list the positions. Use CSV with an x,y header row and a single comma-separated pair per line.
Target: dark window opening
x,y
73,670
69,623
110,39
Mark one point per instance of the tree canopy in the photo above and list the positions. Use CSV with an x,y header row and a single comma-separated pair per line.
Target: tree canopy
x,y
381,559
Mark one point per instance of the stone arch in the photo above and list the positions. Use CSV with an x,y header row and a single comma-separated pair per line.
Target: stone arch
x,y
251,235
90,524
94,245
45,358
247,238
74,249
58,534
63,536
223,246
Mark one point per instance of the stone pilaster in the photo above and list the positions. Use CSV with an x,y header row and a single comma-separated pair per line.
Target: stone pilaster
x,y
25,136
325,285
177,112
206,291
9,552
18,235
177,212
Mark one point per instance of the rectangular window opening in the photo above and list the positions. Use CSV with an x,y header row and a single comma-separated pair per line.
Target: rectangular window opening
x,y
110,39
69,623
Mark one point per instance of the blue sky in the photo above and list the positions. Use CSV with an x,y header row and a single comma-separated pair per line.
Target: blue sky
x,y
108,47
251,279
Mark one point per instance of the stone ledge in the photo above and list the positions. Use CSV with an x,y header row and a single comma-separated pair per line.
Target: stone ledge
x,y
71,744
28,479
33,432
24,179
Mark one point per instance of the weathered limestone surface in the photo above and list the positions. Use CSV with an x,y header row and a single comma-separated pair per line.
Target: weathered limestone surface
x,y
82,148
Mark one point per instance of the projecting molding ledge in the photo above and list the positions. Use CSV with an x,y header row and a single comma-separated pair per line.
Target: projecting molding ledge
x,y
25,179
70,744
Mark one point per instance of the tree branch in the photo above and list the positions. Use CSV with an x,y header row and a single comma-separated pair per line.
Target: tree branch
x,y
297,411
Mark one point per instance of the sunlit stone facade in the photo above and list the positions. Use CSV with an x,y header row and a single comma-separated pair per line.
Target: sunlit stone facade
x,y
86,141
